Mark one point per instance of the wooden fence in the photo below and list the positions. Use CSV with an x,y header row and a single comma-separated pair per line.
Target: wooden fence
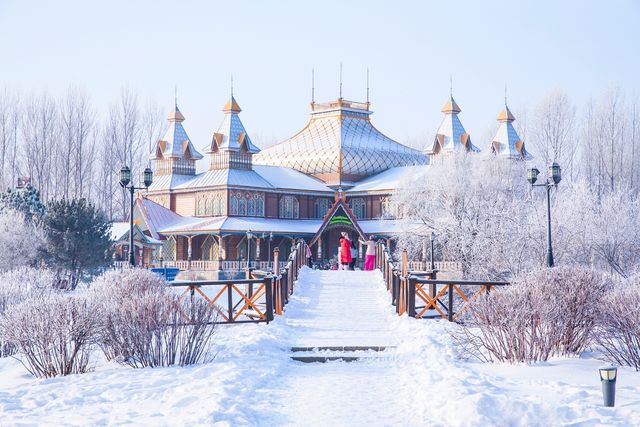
x,y
421,295
257,298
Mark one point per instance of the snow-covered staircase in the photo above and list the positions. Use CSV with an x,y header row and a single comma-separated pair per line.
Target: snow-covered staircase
x,y
346,317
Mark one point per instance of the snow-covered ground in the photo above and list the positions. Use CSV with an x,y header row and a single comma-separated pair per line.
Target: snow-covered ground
x,y
253,381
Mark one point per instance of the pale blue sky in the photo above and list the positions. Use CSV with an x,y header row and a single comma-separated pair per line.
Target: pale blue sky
x,y
411,49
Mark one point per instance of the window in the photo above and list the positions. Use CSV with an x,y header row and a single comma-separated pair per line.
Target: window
x,y
169,248
390,208
211,204
358,207
246,203
210,249
321,207
289,207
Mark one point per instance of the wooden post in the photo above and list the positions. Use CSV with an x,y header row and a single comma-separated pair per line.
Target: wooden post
x,y
269,284
229,302
276,261
405,262
450,313
411,296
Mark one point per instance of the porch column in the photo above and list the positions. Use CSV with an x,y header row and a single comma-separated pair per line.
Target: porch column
x,y
258,241
189,239
320,249
222,253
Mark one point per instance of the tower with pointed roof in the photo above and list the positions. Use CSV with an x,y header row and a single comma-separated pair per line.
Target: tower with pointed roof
x,y
451,136
174,154
507,144
231,147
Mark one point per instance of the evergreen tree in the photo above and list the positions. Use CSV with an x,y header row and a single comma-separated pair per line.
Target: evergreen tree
x,y
78,239
25,200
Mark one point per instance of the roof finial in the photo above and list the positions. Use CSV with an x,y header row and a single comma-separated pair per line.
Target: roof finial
x,y
450,86
232,85
505,95
313,86
341,80
175,96
367,85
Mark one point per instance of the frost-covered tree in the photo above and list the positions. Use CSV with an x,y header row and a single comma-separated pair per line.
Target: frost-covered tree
x,y
21,240
478,206
78,239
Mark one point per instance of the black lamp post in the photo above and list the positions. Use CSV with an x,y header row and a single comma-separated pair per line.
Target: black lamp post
x,y
554,176
125,182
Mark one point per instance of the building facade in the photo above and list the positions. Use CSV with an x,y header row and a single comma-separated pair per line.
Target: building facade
x,y
250,201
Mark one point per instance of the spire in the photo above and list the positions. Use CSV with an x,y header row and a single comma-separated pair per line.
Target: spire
x,y
341,80
506,143
368,86
175,96
313,86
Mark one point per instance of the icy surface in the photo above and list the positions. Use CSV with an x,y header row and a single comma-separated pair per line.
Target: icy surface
x,y
253,381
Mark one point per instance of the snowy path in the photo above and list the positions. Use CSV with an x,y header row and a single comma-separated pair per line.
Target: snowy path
x,y
253,380
341,308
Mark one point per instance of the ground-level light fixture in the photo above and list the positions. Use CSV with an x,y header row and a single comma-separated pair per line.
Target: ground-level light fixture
x,y
608,376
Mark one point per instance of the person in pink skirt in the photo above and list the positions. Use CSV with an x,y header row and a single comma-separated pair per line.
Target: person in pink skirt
x,y
370,254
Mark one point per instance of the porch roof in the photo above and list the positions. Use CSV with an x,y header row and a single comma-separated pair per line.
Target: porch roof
x,y
240,225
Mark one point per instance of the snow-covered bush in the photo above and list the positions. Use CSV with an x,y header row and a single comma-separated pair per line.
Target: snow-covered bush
x,y
544,313
15,287
53,332
21,240
146,323
619,332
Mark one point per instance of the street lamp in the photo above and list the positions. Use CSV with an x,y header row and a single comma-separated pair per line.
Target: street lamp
x,y
269,246
125,180
554,176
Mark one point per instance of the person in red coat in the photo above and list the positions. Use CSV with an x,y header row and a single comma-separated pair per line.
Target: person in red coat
x,y
345,251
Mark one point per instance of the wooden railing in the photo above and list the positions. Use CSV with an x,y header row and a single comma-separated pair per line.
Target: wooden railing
x,y
421,295
236,301
285,278
453,266
224,265
257,298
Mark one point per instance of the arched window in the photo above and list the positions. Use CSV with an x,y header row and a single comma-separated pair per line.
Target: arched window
x,y
218,205
210,249
289,207
234,204
358,207
209,208
201,209
247,204
321,207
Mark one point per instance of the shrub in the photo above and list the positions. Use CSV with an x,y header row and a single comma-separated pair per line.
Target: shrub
x,y
619,331
15,287
146,323
54,333
544,313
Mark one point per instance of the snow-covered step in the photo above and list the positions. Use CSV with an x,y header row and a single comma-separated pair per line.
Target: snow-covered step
x,y
345,356
341,348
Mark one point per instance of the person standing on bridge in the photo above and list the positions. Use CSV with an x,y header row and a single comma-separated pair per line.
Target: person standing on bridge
x,y
345,251
370,254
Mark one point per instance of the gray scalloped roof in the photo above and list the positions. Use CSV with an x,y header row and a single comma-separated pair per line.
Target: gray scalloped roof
x,y
340,139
